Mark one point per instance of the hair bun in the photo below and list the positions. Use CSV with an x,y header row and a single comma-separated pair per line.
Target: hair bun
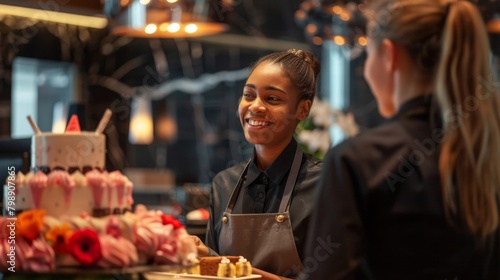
x,y
308,57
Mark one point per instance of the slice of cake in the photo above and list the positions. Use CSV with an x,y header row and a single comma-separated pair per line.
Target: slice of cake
x,y
226,268
210,265
243,267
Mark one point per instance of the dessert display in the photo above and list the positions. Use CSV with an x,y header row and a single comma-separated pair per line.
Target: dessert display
x,y
70,212
68,176
144,237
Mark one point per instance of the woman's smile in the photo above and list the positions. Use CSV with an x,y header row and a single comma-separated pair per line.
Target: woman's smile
x,y
257,124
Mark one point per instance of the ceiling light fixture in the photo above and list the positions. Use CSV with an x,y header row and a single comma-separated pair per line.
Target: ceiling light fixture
x,y
161,18
53,13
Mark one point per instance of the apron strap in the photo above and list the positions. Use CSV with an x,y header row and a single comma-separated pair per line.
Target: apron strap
x,y
236,190
290,183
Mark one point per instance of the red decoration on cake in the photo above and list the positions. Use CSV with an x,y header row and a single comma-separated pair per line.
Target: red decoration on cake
x,y
73,124
169,220
84,246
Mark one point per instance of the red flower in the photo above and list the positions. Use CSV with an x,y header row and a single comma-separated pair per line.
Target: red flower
x,y
84,246
169,220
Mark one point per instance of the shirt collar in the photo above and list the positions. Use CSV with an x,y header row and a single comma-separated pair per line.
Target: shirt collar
x,y
415,107
278,169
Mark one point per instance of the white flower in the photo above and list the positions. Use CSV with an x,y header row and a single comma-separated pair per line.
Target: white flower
x,y
315,140
321,113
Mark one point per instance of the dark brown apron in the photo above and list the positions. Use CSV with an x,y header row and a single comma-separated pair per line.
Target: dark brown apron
x,y
265,239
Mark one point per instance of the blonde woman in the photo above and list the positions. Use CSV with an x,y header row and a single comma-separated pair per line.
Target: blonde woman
x,y
417,198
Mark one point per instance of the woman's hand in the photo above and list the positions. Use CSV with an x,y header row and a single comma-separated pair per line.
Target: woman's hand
x,y
202,248
268,276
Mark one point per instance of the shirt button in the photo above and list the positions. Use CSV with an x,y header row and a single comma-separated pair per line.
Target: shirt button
x,y
261,195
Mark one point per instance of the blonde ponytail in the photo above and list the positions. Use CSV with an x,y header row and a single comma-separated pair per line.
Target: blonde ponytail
x,y
448,41
470,107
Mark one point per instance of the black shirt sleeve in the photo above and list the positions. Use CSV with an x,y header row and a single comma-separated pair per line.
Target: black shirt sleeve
x,y
335,244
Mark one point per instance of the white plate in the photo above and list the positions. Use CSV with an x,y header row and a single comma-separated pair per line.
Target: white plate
x,y
195,276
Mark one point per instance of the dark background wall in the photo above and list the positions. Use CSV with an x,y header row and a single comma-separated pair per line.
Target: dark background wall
x,y
114,69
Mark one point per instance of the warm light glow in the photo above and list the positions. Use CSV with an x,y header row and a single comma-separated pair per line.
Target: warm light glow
x,y
171,19
493,25
317,40
173,27
337,10
305,5
311,28
164,27
59,17
141,122
191,28
60,113
362,41
124,3
144,2
150,28
339,40
300,14
166,128
345,16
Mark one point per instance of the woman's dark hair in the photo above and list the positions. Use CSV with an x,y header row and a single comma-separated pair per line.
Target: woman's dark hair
x,y
301,67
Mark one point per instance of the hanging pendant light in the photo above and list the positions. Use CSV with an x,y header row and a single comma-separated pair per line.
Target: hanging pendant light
x,y
162,18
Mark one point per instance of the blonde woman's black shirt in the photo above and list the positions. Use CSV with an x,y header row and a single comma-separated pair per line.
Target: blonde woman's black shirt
x,y
379,209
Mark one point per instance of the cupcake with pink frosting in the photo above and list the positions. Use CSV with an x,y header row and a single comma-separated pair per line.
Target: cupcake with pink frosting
x,y
116,250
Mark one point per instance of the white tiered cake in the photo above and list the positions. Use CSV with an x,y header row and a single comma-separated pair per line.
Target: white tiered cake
x,y
68,176
68,202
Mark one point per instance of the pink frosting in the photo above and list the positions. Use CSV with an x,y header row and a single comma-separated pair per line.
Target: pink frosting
x,y
128,192
148,233
149,217
37,257
4,229
169,245
97,181
37,185
167,253
146,239
4,250
64,180
117,252
41,258
113,227
118,181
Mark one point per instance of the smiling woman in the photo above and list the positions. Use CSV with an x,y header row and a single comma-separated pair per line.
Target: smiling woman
x,y
260,208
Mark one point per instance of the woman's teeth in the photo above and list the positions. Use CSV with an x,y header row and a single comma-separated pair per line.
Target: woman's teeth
x,y
257,123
